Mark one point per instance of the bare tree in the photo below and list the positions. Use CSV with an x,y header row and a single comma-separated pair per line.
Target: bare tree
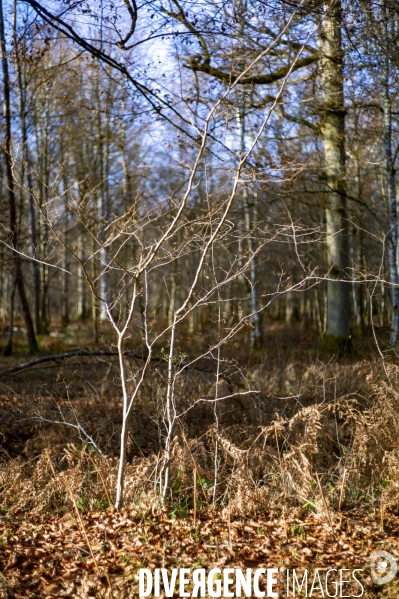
x,y
14,221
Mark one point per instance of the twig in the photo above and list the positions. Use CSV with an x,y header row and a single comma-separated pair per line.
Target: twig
x,y
342,490
195,495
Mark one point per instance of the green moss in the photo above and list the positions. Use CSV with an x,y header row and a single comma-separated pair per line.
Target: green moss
x,y
336,346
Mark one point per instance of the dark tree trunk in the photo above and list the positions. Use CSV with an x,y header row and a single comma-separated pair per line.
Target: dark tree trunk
x,y
14,227
390,180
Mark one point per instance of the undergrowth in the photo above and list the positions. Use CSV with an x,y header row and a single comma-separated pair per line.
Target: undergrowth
x,y
321,438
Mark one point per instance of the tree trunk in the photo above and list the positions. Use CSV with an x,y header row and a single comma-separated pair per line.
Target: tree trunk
x,y
390,185
25,149
3,309
255,336
94,310
65,254
356,287
14,226
333,134
64,280
81,311
42,127
357,245
103,204
8,349
172,295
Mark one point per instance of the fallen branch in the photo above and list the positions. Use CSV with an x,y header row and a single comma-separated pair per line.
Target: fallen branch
x,y
71,354
88,353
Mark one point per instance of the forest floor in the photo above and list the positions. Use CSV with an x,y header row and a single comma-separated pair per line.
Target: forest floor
x,y
101,555
59,537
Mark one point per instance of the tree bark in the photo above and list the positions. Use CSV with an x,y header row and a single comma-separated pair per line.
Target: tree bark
x,y
14,226
94,310
390,183
81,309
25,149
64,276
333,135
103,203
255,335
9,347
42,117
65,254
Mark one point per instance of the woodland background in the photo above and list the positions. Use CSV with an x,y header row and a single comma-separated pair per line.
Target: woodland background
x,y
199,287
